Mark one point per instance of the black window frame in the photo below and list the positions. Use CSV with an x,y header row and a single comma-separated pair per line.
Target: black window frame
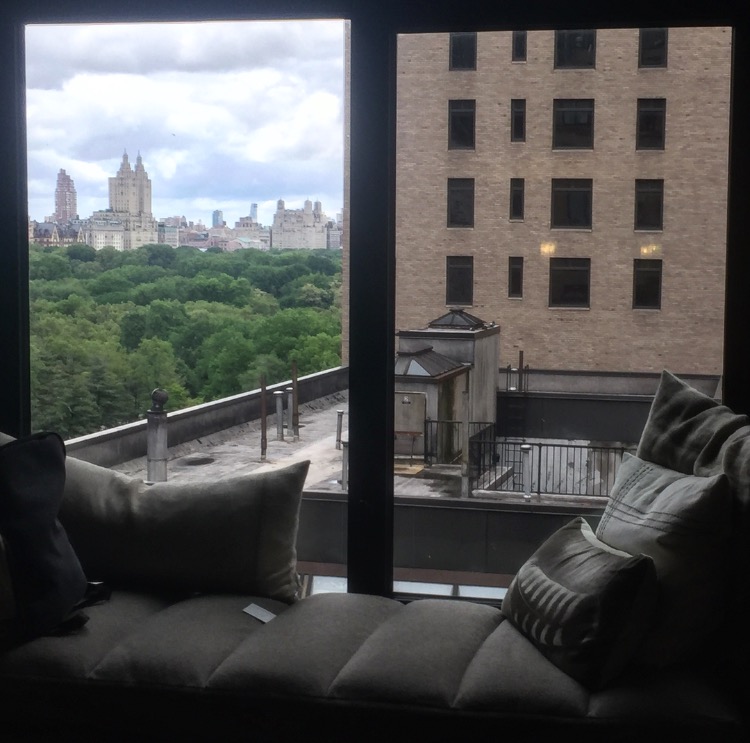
x,y
653,48
516,206
647,283
567,289
460,190
573,124
462,113
651,124
649,205
459,280
462,54
519,46
518,120
573,197
575,49
515,277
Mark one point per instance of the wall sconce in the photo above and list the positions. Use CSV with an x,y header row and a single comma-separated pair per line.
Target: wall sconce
x,y
649,251
547,248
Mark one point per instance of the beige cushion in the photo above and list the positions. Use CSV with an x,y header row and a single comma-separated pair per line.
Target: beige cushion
x,y
683,523
235,535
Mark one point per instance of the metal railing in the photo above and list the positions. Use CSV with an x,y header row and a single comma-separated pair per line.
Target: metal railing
x,y
545,468
442,442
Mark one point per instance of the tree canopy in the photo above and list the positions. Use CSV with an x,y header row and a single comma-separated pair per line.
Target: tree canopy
x,y
109,326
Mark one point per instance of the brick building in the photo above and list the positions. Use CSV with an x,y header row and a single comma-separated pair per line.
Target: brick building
x,y
570,186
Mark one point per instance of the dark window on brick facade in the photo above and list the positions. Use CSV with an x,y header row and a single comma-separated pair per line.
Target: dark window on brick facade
x,y
519,46
575,48
572,200
569,282
649,204
459,279
461,118
463,51
516,198
460,202
573,123
518,120
652,47
515,277
646,284
651,124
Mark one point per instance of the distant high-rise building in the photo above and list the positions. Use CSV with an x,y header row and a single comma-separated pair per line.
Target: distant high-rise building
x,y
128,223
66,207
254,212
297,229
217,218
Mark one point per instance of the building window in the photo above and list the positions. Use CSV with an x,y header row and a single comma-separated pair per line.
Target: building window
x,y
646,284
515,277
569,282
649,204
516,198
652,47
576,48
572,203
460,202
463,51
651,124
518,120
459,280
519,46
573,123
461,117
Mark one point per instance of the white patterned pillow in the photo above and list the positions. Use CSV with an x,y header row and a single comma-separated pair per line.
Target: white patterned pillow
x,y
585,605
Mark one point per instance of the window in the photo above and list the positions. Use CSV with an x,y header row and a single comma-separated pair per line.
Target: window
x,y
652,47
571,203
518,120
575,48
651,124
459,280
515,277
461,117
460,202
463,51
519,46
646,284
649,204
516,198
573,123
569,282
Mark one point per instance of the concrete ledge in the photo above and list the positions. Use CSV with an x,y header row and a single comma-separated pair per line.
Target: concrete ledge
x,y
124,443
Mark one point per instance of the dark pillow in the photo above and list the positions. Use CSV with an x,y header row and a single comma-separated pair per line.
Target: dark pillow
x,y
45,574
683,523
585,605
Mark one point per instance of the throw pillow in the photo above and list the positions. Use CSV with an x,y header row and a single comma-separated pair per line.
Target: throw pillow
x,y
234,535
585,605
45,575
683,523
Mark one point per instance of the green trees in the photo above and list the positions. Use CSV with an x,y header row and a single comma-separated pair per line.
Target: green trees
x,y
107,327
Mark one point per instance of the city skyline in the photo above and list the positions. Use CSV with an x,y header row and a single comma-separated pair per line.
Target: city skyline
x,y
225,114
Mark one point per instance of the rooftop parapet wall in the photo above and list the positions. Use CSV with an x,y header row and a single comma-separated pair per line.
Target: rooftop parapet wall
x,y
124,443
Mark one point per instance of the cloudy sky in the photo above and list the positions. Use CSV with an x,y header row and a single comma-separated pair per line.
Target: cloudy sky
x,y
223,114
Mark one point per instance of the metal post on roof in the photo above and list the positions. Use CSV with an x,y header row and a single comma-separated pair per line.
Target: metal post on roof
x,y
339,426
263,422
290,410
279,395
156,438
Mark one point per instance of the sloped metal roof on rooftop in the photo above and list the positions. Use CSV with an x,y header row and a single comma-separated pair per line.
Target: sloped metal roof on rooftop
x,y
458,320
425,363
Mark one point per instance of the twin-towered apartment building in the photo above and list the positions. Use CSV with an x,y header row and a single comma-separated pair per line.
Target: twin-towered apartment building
x,y
570,186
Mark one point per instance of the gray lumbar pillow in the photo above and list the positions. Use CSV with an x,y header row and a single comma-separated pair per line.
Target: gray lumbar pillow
x,y
683,523
236,534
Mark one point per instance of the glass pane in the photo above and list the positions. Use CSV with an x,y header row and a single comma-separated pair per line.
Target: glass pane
x,y
514,411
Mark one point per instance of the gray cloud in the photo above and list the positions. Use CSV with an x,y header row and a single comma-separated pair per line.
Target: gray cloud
x,y
222,113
